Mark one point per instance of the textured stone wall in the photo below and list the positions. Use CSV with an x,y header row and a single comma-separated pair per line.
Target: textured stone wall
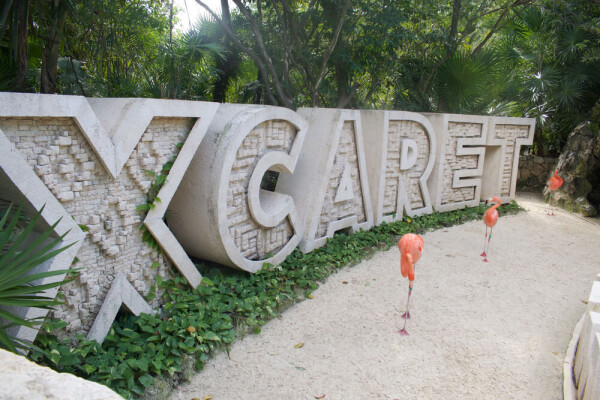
x,y
397,131
534,171
255,242
63,159
453,163
509,133
346,157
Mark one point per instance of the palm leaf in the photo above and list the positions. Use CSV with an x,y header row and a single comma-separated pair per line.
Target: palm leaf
x,y
18,258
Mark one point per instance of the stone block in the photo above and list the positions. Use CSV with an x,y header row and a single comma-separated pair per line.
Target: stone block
x,y
66,168
112,251
24,379
81,157
66,196
43,159
64,141
42,170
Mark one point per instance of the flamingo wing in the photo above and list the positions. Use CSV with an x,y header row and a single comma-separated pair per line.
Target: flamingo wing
x,y
407,268
490,217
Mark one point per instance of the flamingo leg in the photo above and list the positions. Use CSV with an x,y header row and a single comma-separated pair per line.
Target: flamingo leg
x,y
484,241
489,238
551,204
406,315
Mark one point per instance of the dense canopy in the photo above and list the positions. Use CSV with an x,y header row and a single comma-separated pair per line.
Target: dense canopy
x,y
533,58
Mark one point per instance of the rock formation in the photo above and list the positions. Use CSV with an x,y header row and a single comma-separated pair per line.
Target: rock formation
x,y
579,166
24,379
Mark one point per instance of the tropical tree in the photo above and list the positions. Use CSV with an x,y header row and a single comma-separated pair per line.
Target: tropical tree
x,y
552,74
185,65
289,45
447,37
115,42
53,17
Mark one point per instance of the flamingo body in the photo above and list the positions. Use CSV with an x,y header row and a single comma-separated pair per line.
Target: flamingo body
x,y
490,218
555,181
553,184
411,248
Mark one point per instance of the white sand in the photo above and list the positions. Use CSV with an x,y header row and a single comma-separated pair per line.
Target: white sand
x,y
496,330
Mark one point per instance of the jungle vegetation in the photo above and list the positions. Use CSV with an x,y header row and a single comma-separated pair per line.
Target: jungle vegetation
x,y
532,58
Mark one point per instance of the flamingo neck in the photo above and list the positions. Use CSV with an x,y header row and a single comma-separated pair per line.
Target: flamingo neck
x,y
497,201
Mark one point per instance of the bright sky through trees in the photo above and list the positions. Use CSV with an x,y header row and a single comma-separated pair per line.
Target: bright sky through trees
x,y
188,15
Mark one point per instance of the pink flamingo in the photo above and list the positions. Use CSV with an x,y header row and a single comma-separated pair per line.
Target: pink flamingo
x,y
489,219
553,184
411,248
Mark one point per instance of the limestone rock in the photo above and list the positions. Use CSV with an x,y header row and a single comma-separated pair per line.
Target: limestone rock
x,y
583,206
24,379
579,166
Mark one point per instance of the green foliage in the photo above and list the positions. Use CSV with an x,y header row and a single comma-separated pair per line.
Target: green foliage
x,y
22,250
552,73
228,304
468,83
537,59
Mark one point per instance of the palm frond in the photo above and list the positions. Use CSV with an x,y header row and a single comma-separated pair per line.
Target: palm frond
x,y
19,256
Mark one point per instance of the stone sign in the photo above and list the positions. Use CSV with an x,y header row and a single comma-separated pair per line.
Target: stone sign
x,y
94,162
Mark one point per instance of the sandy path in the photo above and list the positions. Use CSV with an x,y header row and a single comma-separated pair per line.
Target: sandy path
x,y
496,330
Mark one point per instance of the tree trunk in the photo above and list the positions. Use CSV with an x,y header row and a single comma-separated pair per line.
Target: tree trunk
x,y
21,53
229,64
50,54
539,141
455,18
258,94
342,74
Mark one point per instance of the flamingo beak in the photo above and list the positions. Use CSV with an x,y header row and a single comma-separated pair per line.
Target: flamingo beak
x,y
486,202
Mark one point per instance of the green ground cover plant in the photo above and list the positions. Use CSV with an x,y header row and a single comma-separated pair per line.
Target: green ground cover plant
x,y
193,324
